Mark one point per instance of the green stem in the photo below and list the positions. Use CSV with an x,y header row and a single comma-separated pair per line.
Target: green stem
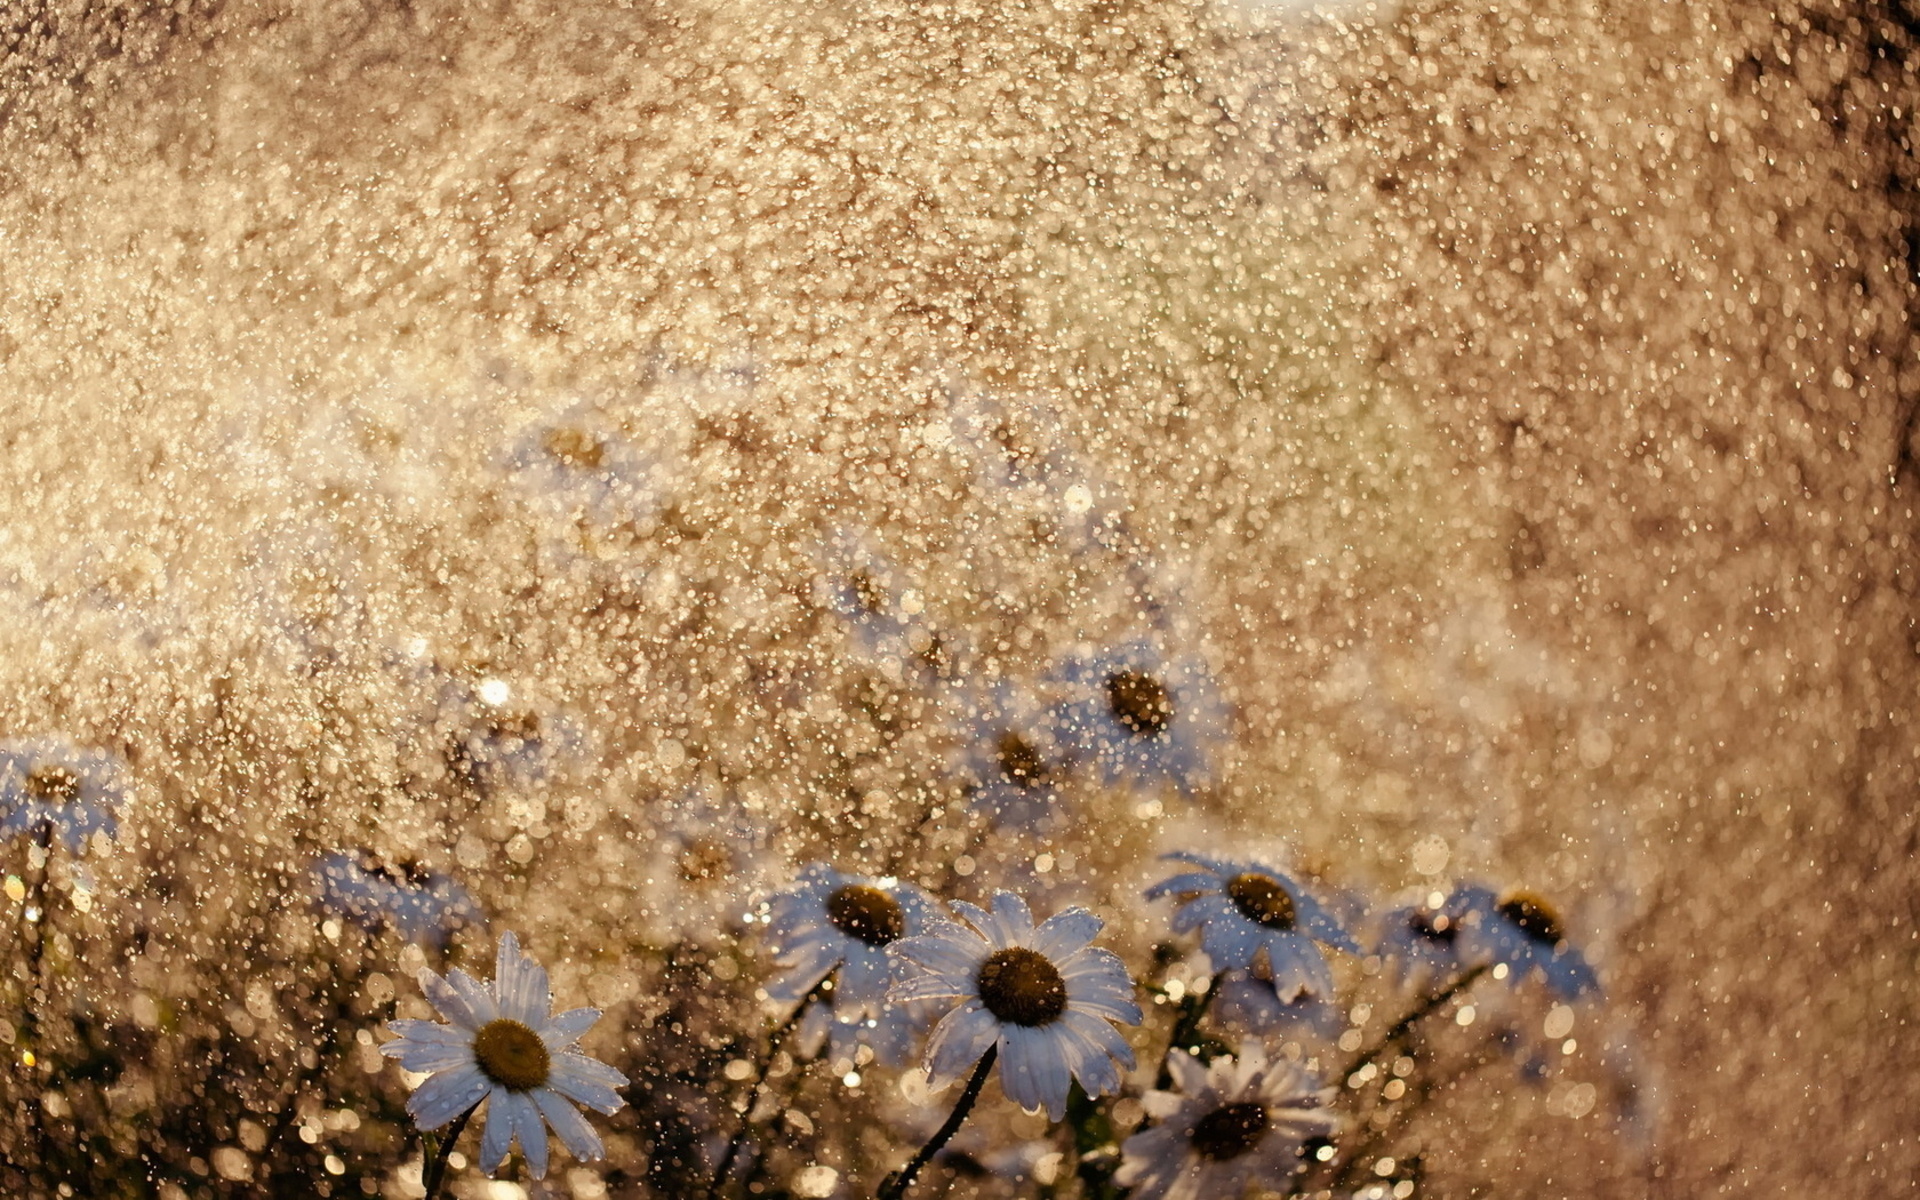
x,y
1193,1010
437,1173
894,1186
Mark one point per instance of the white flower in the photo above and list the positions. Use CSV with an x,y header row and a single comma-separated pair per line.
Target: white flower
x,y
1245,911
1239,1121
831,922
506,1046
1043,996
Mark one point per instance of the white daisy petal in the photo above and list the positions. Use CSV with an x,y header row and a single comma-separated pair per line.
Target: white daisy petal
x,y
587,1081
945,948
958,1041
575,1133
520,984
427,1031
446,1095
428,1056
564,1029
804,970
1193,883
497,1138
476,996
1066,932
863,979
1210,907
1033,1070
451,1002
532,1134
1014,918
1189,1075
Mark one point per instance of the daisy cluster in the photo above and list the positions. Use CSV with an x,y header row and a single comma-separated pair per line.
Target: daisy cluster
x,y
970,986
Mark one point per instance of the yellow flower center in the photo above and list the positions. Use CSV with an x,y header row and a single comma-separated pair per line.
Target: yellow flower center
x,y
1230,1131
1261,900
511,1055
867,914
1139,702
1022,987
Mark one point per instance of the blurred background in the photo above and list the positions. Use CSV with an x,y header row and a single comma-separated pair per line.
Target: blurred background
x,y
484,435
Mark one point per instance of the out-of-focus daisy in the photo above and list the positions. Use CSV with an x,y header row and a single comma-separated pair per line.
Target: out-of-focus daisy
x,y
1250,915
1139,717
1235,1122
1421,942
505,1045
1523,930
707,865
1008,757
587,467
830,923
501,740
52,785
418,904
882,610
1044,996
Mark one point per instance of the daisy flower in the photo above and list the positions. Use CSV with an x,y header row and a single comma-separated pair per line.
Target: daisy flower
x,y
708,860
1007,755
418,904
1139,717
1523,930
1238,1121
882,611
1043,996
843,925
53,785
506,1046
1246,912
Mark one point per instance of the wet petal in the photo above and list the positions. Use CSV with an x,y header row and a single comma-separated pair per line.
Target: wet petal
x,y
1065,932
958,1041
575,1132
532,1134
564,1029
520,984
587,1081
446,1095
497,1139
1033,1069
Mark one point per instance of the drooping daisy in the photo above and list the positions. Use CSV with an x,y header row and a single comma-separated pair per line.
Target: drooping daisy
x,y
1421,942
1251,915
830,923
1044,996
1523,930
53,786
1244,1000
1235,1122
507,1047
1139,717
418,904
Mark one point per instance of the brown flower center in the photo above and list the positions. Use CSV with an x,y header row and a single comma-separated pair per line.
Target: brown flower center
x,y
1019,762
1261,900
868,592
1434,927
576,447
511,1055
703,860
1535,917
866,914
1022,987
1140,702
1230,1131
53,784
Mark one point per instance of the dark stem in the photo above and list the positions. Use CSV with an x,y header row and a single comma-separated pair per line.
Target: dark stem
x,y
774,1041
36,990
895,1185
437,1173
1417,1014
1193,1010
